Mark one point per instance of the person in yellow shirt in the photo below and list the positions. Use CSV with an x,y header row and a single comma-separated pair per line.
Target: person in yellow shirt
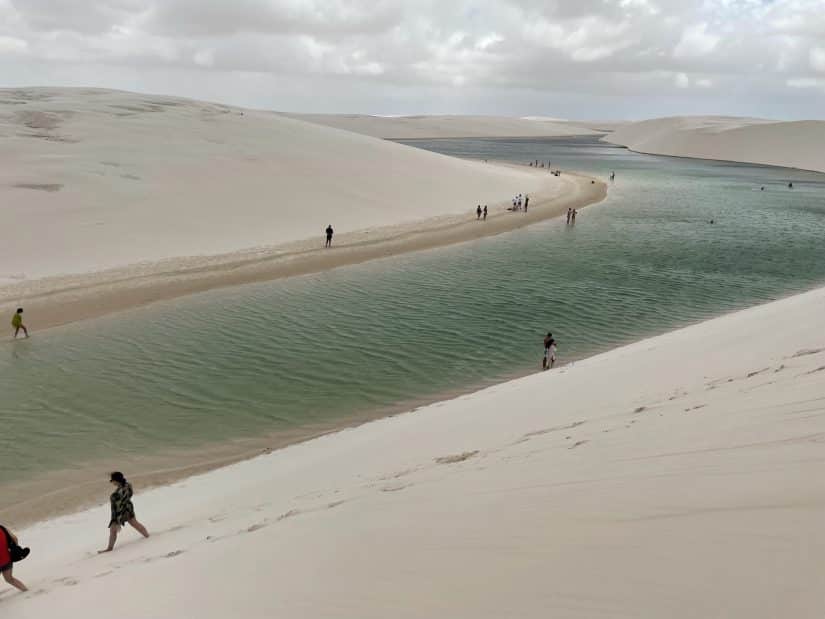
x,y
17,323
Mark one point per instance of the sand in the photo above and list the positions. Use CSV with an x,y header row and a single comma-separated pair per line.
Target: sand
x,y
446,126
114,199
796,144
680,476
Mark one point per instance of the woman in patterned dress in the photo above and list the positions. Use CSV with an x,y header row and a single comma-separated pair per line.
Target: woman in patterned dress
x,y
122,510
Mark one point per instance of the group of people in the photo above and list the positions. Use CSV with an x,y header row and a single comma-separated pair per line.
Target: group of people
x,y
520,202
571,216
122,513
481,213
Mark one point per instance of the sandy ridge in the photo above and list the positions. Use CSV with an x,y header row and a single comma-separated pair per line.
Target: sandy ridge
x,y
61,300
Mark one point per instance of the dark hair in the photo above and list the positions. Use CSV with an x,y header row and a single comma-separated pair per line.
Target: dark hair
x,y
118,477
19,310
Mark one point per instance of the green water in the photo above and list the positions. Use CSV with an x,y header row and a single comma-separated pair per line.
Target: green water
x,y
261,358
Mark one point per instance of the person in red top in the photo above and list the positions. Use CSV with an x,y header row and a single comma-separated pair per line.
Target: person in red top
x,y
6,565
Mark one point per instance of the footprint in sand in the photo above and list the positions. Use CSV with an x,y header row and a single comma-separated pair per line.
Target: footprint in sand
x,y
577,444
395,487
257,527
757,372
807,351
67,581
455,458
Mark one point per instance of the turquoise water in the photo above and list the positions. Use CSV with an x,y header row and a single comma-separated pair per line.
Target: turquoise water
x,y
267,357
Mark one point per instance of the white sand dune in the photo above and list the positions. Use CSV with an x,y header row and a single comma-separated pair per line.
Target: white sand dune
x,y
789,144
95,179
446,126
680,476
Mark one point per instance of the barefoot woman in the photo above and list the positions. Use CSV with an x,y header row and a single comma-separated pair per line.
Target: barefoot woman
x,y
122,510
7,539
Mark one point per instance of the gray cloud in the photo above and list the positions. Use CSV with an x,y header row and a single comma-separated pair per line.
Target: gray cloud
x,y
554,57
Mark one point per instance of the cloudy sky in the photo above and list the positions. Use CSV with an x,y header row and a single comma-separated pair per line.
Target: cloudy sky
x,y
567,58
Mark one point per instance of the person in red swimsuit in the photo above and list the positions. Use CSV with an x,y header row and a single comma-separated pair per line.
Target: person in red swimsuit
x,y
6,565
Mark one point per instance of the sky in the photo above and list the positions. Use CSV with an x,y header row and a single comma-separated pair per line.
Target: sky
x,y
579,59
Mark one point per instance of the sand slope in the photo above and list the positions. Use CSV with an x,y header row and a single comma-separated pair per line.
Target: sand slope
x,y
446,126
680,476
788,144
94,179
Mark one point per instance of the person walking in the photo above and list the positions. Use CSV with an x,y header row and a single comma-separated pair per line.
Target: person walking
x,y
330,232
573,217
17,323
478,212
569,215
526,202
10,552
485,212
123,511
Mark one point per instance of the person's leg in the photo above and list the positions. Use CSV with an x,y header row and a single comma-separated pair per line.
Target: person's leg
x,y
16,331
140,528
113,530
14,582
25,330
552,362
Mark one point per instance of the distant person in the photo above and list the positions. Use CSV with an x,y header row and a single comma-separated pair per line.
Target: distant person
x,y
548,342
123,511
712,221
485,212
478,212
17,323
573,216
612,176
330,232
10,552
790,185
526,202
569,215
762,188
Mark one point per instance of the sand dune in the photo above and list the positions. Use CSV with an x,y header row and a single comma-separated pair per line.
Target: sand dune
x,y
93,179
101,187
751,140
680,476
445,126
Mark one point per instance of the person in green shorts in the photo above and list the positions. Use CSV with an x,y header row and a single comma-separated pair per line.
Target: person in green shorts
x,y
17,323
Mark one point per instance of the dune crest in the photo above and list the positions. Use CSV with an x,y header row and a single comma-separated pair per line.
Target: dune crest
x,y
791,144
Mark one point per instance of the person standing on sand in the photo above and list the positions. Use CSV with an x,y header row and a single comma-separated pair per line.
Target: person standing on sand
x,y
569,215
526,202
17,323
7,540
573,217
123,510
485,212
478,212
330,232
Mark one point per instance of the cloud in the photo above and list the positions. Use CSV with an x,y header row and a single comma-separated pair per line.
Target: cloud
x,y
696,41
493,56
817,56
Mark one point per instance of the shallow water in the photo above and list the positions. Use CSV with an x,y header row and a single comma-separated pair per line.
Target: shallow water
x,y
265,357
